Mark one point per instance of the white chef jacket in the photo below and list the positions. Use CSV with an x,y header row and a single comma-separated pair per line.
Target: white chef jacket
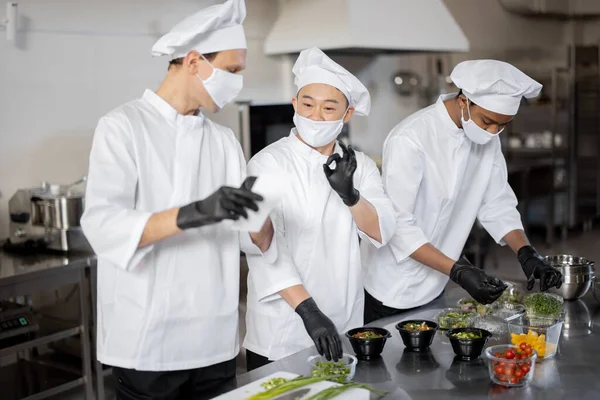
x,y
439,181
317,246
172,305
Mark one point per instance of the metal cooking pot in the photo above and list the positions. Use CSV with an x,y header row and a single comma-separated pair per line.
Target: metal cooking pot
x,y
59,212
57,206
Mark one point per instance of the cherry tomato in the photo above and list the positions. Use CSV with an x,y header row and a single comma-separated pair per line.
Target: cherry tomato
x,y
510,354
509,370
529,352
518,356
502,363
496,355
519,373
514,379
525,369
502,378
523,346
499,370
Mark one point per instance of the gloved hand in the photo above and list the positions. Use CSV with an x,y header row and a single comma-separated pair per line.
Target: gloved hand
x,y
226,203
341,178
320,329
483,288
535,267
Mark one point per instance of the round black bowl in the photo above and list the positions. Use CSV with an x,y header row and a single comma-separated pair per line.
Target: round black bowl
x,y
366,349
468,349
417,340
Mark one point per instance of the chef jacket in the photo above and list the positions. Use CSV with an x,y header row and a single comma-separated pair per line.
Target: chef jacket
x,y
317,246
171,305
439,182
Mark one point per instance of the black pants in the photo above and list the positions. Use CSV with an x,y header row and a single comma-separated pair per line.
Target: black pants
x,y
193,384
374,309
254,360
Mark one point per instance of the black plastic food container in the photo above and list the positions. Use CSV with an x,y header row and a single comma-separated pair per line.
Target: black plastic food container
x,y
367,349
417,340
468,349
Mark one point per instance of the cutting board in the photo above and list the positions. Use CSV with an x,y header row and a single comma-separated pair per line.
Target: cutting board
x,y
254,388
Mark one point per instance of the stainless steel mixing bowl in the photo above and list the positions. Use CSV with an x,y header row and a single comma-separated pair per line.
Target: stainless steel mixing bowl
x,y
577,275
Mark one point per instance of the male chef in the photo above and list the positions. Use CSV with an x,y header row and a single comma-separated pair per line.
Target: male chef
x,y
162,177
314,288
443,168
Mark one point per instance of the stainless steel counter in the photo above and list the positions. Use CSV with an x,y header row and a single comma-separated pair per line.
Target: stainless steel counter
x,y
15,270
573,374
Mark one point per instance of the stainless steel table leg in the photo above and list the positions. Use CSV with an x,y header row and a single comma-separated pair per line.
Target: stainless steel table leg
x,y
97,364
85,334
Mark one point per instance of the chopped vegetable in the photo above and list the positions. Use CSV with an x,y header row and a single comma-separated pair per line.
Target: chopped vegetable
x,y
542,304
454,320
468,304
367,335
468,335
532,341
334,391
333,371
511,297
287,386
274,382
412,326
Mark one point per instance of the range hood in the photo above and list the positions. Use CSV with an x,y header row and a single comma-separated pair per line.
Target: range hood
x,y
365,26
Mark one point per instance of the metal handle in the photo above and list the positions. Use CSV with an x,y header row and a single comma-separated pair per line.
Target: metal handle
x,y
81,180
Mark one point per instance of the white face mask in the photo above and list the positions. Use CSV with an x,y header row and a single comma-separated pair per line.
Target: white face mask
x,y
473,131
222,86
318,133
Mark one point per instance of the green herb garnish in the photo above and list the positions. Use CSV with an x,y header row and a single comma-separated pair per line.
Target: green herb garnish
x,y
541,304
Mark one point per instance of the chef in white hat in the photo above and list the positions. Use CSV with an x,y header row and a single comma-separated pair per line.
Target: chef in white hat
x,y
314,288
443,168
161,178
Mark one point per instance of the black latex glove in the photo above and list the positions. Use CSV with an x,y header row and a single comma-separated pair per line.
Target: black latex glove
x,y
483,288
341,178
535,267
226,203
320,329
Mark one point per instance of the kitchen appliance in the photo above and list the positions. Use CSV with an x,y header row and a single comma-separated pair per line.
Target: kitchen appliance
x,y
15,320
360,27
48,217
577,275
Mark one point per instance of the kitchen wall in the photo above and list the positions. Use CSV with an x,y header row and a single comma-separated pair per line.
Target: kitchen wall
x,y
74,60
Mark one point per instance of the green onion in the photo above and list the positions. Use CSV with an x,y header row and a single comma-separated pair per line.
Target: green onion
x,y
335,391
287,386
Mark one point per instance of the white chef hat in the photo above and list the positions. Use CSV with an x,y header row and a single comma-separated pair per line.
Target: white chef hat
x,y
216,28
313,66
494,85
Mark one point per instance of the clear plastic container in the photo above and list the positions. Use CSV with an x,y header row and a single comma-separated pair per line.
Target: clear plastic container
x,y
509,372
452,318
349,360
469,304
535,312
542,334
